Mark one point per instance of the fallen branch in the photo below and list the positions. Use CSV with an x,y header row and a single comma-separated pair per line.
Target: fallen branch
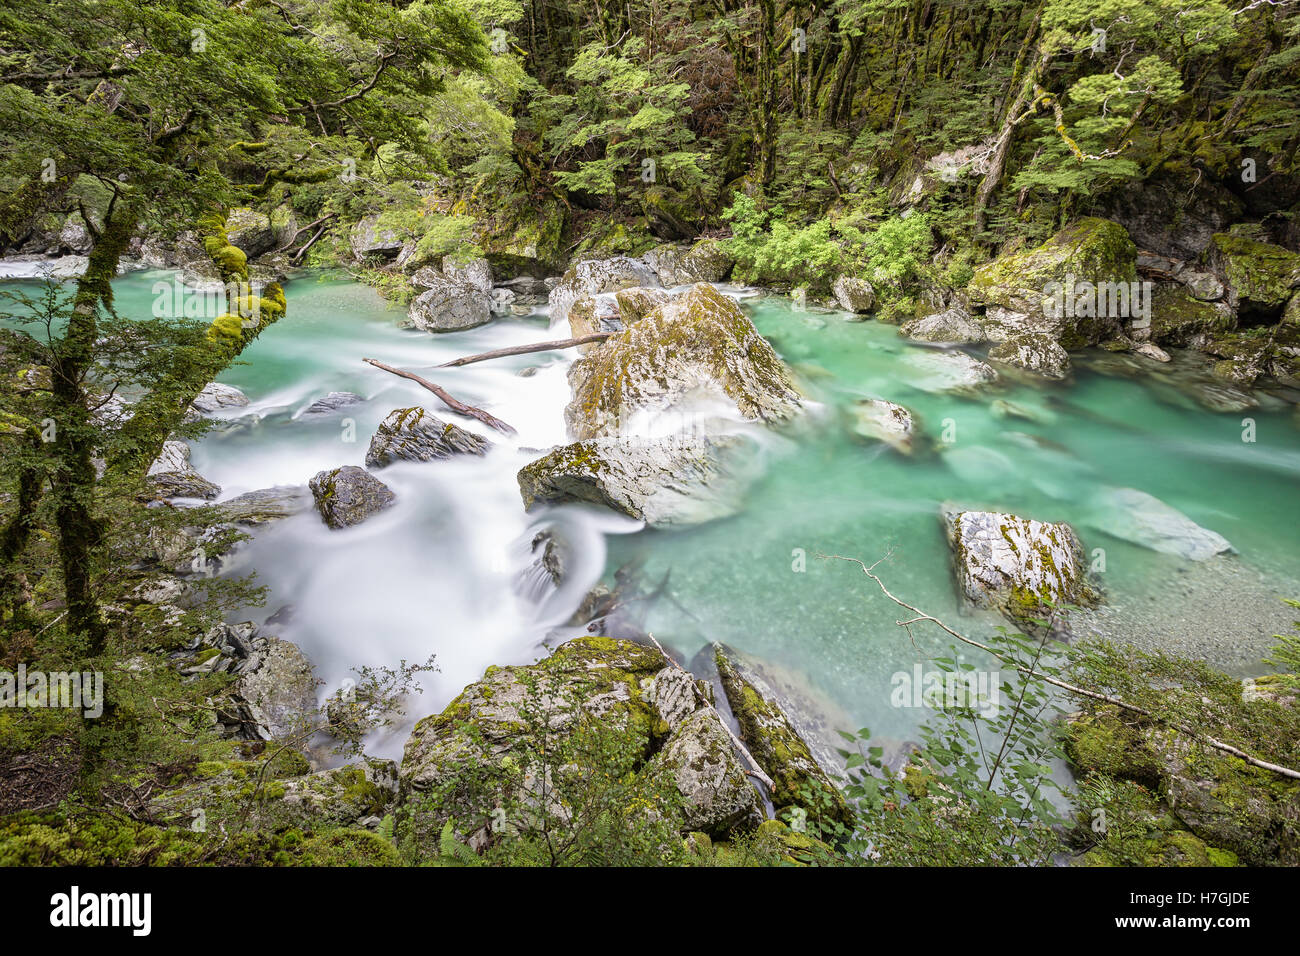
x,y
1057,682
525,349
454,404
756,770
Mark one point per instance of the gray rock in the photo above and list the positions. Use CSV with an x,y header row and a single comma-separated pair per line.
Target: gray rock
x,y
594,276
216,397
369,240
472,272
348,495
278,690
412,434
668,483
449,305
706,261
331,403
255,508
172,476
854,294
251,231
716,793
1035,353
1016,565
950,327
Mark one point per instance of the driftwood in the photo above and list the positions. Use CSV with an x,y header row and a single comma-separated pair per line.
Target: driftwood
x,y
454,404
525,349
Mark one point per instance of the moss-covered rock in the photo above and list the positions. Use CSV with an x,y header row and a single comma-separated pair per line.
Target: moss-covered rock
x,y
1260,277
1180,319
1033,352
1020,284
592,277
717,796
1018,566
785,757
699,344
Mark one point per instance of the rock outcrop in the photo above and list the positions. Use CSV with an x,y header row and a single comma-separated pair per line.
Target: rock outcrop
x,y
413,434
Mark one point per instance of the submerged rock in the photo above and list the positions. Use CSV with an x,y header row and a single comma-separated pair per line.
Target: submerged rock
x,y
172,476
854,294
698,346
413,434
348,495
331,403
943,371
879,420
1136,516
674,482
1015,565
266,505
779,749
950,327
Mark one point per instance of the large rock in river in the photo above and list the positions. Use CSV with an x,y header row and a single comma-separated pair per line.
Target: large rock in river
x,y
950,327
349,495
412,434
700,345
172,476
680,481
1033,352
450,304
1015,565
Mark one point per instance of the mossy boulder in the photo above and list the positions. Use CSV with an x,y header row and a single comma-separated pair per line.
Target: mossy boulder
x,y
526,238
1017,287
1018,566
1180,319
369,240
784,756
349,495
698,345
705,261
413,434
251,231
1260,277
717,796
670,214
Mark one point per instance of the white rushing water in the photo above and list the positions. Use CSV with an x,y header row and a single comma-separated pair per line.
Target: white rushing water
x,y
445,571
